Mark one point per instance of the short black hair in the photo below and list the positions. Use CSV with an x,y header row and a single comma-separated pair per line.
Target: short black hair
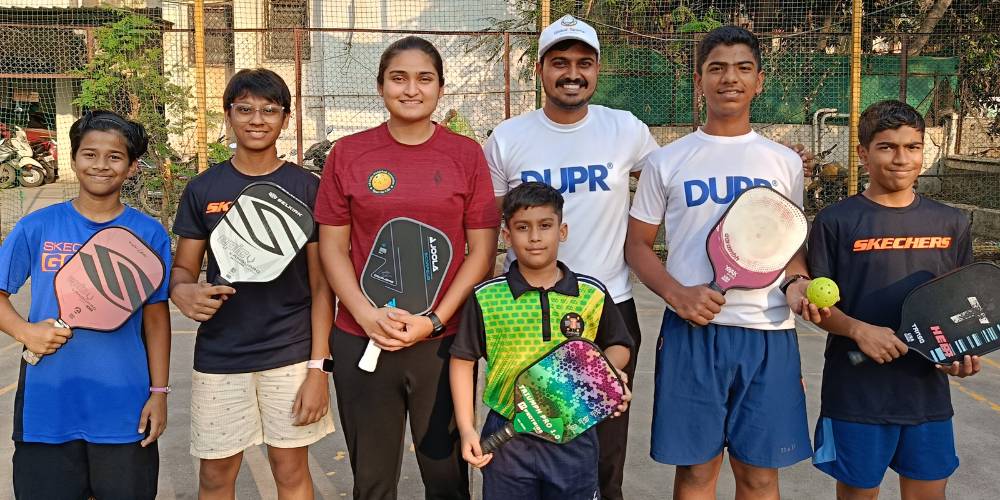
x,y
727,35
531,194
410,43
887,115
136,140
259,82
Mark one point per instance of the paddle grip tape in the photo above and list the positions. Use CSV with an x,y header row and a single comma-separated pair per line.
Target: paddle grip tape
x,y
497,439
32,358
370,358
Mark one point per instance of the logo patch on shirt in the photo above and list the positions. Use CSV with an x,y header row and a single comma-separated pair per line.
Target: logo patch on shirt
x,y
902,243
56,253
218,207
571,325
381,181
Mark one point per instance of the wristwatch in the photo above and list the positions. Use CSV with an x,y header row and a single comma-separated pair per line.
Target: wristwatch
x,y
162,390
789,280
325,364
438,325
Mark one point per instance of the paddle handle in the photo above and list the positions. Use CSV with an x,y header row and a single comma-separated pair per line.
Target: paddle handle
x,y
32,358
497,439
712,285
856,357
370,358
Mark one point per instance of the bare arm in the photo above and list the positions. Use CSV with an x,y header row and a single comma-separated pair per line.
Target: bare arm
x,y
156,329
462,374
312,402
477,265
40,338
334,253
195,300
697,304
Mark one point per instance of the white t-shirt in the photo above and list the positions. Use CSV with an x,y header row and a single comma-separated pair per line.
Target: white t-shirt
x,y
589,162
689,184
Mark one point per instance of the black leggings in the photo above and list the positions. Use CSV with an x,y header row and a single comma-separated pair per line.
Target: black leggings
x,y
373,411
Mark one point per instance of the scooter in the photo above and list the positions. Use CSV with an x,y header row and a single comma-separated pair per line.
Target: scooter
x,y
45,152
16,155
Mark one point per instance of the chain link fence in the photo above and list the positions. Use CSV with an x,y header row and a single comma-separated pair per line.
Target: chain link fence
x,y
141,58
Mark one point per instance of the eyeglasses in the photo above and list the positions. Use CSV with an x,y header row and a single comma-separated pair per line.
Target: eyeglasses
x,y
245,111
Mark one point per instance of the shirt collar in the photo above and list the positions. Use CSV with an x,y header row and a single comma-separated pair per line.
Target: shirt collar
x,y
567,285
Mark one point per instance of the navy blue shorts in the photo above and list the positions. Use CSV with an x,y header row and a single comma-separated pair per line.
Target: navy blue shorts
x,y
857,454
728,387
528,468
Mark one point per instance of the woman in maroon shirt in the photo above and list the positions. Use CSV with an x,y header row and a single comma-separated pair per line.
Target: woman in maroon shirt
x,y
408,166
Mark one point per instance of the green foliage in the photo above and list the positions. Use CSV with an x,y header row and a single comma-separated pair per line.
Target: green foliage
x,y
126,76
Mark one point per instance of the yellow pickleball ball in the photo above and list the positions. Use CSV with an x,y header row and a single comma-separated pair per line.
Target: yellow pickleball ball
x,y
823,292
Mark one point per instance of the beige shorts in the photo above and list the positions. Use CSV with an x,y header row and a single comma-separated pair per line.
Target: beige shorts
x,y
231,412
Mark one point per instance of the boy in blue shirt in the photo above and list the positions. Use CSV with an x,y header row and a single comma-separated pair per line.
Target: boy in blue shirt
x,y
512,321
86,418
896,411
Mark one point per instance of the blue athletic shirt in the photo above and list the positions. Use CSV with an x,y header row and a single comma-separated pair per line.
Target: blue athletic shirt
x,y
94,387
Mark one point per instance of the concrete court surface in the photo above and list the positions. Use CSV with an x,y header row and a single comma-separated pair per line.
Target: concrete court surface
x,y
976,401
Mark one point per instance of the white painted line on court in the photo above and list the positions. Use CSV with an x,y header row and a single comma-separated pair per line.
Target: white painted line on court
x,y
260,469
321,481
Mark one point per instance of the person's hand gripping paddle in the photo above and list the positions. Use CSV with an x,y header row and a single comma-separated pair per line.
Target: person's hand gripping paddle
x,y
952,316
107,280
405,269
754,240
260,235
560,396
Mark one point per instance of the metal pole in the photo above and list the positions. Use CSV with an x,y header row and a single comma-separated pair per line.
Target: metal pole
x,y
298,96
852,174
695,104
904,61
506,75
544,15
201,128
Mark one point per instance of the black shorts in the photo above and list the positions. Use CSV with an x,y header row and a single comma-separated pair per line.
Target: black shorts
x,y
78,470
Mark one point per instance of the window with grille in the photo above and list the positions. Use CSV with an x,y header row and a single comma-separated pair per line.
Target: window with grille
x,y
218,44
286,14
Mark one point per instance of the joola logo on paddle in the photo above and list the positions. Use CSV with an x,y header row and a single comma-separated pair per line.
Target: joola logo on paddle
x,y
116,277
433,252
257,227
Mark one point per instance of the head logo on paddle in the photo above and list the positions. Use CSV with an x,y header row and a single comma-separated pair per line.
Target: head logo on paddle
x,y
562,395
107,280
260,234
952,316
405,269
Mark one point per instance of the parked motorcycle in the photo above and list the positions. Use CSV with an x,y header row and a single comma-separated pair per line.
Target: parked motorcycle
x,y
45,152
17,156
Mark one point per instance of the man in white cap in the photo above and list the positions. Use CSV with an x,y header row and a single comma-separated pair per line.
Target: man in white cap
x,y
587,152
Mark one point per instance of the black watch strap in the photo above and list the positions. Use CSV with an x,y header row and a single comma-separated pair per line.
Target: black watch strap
x,y
438,325
789,280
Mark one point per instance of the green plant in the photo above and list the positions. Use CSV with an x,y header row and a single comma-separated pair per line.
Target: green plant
x,y
126,75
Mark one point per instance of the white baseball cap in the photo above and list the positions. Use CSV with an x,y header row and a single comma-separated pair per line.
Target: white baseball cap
x,y
568,28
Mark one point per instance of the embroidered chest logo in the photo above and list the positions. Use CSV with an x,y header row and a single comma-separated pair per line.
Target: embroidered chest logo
x,y
572,325
381,181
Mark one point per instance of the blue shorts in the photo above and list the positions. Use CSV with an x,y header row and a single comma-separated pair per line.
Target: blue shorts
x,y
528,468
857,454
726,386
